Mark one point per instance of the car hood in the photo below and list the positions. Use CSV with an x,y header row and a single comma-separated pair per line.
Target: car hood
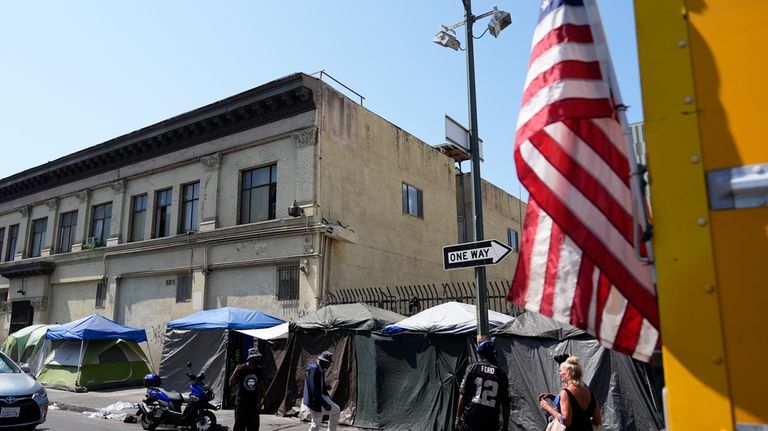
x,y
16,384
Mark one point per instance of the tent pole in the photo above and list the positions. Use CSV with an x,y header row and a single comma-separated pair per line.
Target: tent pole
x,y
149,353
79,363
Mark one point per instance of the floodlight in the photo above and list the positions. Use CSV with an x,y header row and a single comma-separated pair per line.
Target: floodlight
x,y
499,21
447,38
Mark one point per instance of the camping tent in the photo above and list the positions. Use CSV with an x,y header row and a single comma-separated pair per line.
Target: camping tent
x,y
418,367
93,352
209,340
22,345
623,387
346,331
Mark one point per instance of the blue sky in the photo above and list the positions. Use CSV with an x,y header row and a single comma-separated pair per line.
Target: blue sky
x,y
77,73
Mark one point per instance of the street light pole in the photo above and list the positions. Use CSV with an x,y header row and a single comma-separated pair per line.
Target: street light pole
x,y
474,151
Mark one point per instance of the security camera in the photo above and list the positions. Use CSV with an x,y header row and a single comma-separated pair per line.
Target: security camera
x,y
295,210
499,21
447,38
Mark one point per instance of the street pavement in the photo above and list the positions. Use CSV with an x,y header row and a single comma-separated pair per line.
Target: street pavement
x,y
98,410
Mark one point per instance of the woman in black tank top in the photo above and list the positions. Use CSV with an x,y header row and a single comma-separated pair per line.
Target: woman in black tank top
x,y
578,407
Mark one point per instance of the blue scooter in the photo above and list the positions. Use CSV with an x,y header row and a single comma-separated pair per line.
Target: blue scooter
x,y
172,408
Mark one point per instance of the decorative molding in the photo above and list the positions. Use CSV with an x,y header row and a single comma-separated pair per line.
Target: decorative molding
x,y
304,138
118,186
82,196
39,303
25,211
212,161
52,204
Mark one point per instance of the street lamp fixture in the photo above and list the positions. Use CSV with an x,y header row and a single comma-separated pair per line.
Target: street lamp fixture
x,y
446,37
499,21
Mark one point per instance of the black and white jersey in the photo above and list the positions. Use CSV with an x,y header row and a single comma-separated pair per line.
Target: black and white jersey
x,y
485,388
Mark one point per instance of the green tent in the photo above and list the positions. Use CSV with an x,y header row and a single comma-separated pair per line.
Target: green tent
x,y
104,363
23,345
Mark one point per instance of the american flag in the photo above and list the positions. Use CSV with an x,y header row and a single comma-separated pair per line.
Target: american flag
x,y
577,262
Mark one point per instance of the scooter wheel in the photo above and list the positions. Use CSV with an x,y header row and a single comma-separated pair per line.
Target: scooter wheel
x,y
205,421
147,423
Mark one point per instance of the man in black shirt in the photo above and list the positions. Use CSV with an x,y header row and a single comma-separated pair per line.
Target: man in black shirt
x,y
249,380
484,393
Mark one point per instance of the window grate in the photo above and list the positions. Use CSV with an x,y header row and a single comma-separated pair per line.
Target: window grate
x,y
288,282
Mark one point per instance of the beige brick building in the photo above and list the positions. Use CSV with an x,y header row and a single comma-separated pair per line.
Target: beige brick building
x,y
194,213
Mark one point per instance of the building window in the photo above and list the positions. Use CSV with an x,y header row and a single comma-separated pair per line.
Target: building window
x,y
39,227
13,236
288,282
183,287
258,193
412,201
68,223
100,224
4,296
2,240
190,202
138,217
162,226
513,240
101,293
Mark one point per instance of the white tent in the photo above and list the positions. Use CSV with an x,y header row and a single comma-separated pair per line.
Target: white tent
x,y
448,318
274,333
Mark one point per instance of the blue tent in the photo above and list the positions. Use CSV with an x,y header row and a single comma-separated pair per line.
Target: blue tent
x,y
95,327
226,318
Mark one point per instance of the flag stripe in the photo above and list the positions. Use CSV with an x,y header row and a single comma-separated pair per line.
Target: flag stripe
x,y
582,300
562,110
599,252
566,52
571,69
564,33
551,264
555,16
604,195
557,195
593,136
567,277
539,253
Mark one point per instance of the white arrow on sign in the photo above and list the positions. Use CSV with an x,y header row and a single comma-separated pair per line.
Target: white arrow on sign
x,y
479,253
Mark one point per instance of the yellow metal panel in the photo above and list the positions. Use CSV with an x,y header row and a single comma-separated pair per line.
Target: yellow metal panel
x,y
693,350
727,42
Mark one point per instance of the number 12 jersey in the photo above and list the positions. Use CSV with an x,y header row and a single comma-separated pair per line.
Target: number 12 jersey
x,y
485,388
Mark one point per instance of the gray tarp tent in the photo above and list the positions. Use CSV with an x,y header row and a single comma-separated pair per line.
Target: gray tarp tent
x,y
210,341
623,387
418,368
345,330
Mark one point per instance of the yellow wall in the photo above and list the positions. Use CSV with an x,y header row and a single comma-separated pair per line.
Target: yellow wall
x,y
705,110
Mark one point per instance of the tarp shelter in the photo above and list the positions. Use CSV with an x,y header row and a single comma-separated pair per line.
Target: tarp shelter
x,y
24,344
209,340
344,330
622,386
93,352
419,366
449,318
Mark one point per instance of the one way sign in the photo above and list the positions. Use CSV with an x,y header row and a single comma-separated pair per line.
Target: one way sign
x,y
479,253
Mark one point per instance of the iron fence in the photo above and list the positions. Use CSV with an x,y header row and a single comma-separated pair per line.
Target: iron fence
x,y
411,299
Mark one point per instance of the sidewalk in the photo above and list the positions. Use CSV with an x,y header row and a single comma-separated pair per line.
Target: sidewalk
x,y
99,401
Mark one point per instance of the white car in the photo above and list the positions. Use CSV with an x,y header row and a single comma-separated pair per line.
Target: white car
x,y
23,401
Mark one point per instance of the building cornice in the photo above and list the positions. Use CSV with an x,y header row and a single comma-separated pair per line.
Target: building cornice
x,y
270,102
27,269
